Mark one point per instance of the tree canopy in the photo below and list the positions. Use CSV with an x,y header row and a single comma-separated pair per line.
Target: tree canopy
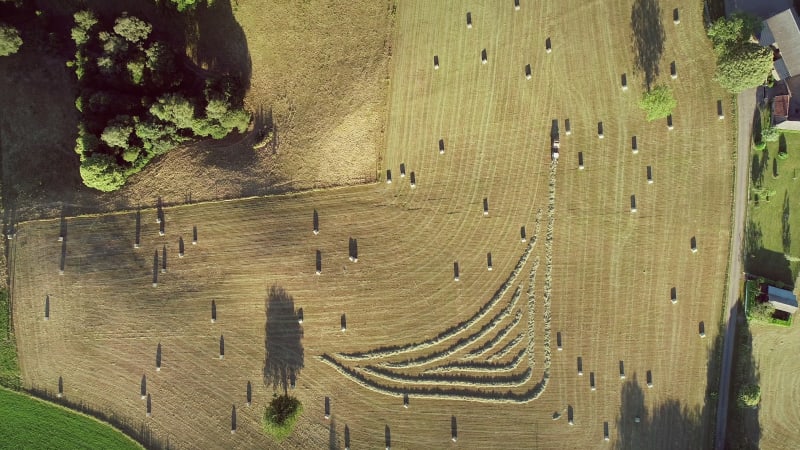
x,y
10,41
658,102
741,63
136,102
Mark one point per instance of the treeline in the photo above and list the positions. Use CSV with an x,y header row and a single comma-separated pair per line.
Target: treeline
x,y
138,98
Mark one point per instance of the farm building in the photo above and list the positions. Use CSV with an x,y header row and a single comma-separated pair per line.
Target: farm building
x,y
782,299
782,33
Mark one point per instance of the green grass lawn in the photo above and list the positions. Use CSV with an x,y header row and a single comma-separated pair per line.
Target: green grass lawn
x,y
31,423
9,368
774,221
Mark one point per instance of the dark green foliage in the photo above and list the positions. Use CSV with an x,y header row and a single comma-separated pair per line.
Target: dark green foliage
x,y
281,415
137,102
10,41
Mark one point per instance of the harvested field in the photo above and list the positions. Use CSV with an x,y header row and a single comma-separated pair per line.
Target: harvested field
x,y
599,273
777,421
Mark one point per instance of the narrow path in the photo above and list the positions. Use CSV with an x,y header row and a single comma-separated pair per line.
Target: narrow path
x,y
746,104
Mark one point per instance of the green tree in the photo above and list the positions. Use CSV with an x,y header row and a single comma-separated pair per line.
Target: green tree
x,y
743,66
174,108
132,28
727,32
749,396
9,40
185,5
136,70
84,21
658,102
102,172
86,142
118,132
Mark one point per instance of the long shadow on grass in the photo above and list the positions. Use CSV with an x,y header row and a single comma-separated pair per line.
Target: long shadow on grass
x,y
283,350
648,38
743,429
762,262
670,424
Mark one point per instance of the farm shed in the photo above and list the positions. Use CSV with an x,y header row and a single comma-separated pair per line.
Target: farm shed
x,y
782,299
782,33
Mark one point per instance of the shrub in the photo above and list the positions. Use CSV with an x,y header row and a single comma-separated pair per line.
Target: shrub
x,y
658,102
770,134
783,156
762,311
749,396
9,40
760,146
102,172
281,415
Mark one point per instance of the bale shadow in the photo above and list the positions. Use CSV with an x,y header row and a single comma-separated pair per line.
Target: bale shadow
x,y
333,439
648,38
283,350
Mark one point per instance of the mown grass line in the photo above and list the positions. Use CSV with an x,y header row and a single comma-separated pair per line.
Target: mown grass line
x,y
480,366
439,393
32,423
463,342
450,332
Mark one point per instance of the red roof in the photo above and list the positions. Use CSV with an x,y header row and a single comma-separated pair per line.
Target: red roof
x,y
780,106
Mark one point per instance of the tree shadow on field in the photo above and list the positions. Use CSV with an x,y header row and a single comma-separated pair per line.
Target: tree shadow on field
x,y
760,261
648,38
670,424
216,42
283,350
743,430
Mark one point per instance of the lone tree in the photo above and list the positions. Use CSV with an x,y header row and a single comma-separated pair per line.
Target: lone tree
x,y
741,63
9,40
658,102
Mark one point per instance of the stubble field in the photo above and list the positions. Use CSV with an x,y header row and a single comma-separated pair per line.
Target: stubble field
x,y
610,271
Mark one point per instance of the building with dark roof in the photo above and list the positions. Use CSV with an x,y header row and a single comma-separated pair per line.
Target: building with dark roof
x,y
782,32
782,299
